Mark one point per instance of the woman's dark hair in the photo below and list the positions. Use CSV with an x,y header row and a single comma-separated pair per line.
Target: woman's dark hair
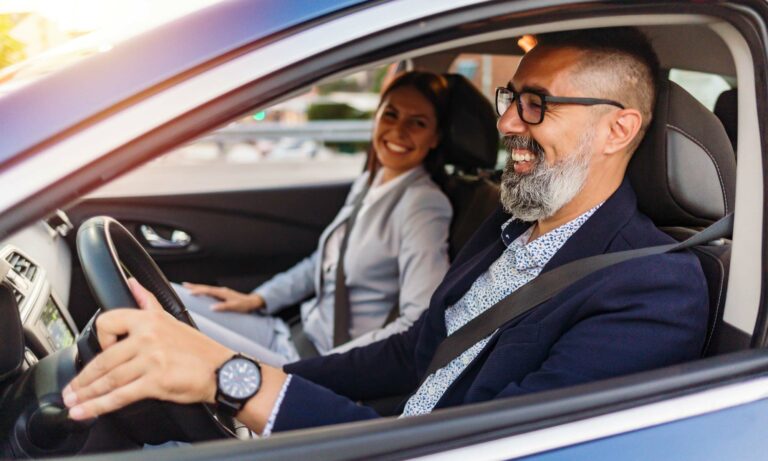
x,y
435,89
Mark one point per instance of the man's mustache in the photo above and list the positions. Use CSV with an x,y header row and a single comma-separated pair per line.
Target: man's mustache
x,y
523,142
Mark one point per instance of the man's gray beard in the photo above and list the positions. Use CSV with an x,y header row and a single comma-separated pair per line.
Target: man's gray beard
x,y
542,192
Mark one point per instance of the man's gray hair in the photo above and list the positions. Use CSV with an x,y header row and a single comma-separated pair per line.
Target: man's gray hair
x,y
618,63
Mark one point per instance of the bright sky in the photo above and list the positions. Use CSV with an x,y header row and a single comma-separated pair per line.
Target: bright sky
x,y
90,15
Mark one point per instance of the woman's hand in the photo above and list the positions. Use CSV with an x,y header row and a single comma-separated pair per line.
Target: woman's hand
x,y
159,358
232,300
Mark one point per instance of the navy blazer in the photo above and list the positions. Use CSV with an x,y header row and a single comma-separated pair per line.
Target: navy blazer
x,y
638,315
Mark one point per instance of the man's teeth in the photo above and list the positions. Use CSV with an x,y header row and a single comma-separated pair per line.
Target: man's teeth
x,y
519,157
396,147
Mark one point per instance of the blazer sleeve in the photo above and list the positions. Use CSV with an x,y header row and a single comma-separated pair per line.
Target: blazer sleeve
x,y
424,219
291,286
381,369
306,404
325,390
646,315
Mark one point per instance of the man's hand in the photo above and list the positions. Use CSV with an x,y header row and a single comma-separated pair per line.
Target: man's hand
x,y
160,358
231,300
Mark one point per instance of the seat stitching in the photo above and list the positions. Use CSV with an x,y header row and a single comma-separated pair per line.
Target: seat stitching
x,y
711,157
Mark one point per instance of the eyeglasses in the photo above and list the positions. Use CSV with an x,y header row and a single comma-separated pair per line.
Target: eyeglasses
x,y
532,106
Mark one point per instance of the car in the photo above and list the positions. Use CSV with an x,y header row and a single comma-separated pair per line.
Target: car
x,y
70,139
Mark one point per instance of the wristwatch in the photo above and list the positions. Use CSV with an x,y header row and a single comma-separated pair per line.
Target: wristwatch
x,y
237,380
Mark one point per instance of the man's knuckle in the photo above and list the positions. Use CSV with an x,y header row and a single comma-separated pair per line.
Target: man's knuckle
x,y
156,315
157,358
101,322
116,400
109,382
97,368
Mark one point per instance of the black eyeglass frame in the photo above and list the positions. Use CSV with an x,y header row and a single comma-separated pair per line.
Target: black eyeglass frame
x,y
545,98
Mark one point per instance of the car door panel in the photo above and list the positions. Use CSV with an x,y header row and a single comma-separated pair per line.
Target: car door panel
x,y
237,239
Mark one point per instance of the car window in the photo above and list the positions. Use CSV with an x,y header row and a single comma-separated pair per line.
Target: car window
x,y
703,86
318,136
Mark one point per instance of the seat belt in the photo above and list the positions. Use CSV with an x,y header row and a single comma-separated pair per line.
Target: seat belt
x,y
549,284
341,309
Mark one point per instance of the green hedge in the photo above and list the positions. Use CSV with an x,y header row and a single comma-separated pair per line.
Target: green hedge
x,y
335,111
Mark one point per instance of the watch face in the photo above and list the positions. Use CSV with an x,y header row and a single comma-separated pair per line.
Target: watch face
x,y
239,378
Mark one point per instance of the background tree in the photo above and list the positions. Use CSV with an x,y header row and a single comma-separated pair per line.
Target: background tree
x,y
11,50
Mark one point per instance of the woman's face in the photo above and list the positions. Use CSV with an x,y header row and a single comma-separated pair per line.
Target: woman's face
x,y
405,130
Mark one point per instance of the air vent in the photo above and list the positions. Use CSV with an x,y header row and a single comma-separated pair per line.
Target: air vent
x,y
22,265
19,297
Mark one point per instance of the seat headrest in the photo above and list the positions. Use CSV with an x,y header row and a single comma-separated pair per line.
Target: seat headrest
x,y
726,109
684,171
470,137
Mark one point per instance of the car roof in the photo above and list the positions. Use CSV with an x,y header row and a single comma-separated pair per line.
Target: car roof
x,y
139,65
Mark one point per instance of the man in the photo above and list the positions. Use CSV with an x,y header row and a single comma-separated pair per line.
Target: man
x,y
572,116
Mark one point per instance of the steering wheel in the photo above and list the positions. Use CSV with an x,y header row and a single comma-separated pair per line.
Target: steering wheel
x,y
107,250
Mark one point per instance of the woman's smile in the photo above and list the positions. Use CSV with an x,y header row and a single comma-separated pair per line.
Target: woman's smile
x,y
395,147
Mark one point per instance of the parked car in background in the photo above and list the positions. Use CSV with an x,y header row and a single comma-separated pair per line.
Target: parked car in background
x,y
67,138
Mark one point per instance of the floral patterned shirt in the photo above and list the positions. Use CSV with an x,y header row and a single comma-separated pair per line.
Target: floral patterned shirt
x,y
521,262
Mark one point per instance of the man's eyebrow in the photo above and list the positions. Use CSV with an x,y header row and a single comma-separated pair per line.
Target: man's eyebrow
x,y
530,88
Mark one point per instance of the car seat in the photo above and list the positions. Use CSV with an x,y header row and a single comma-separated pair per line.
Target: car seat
x,y
684,174
726,109
472,148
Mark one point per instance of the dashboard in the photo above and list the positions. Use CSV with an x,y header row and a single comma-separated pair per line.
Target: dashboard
x,y
41,357
39,277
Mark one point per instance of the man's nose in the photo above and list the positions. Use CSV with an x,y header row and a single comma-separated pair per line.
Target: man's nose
x,y
510,122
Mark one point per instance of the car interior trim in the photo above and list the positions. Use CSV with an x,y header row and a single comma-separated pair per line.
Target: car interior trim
x,y
745,270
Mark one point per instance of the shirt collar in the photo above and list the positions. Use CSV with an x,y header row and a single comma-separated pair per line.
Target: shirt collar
x,y
530,255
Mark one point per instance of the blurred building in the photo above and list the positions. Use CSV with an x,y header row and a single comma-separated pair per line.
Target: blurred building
x,y
486,71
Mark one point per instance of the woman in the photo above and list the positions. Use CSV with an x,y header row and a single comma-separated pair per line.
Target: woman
x,y
394,257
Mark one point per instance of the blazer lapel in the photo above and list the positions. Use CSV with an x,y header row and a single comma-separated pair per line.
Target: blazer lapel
x,y
341,217
391,198
598,232
476,257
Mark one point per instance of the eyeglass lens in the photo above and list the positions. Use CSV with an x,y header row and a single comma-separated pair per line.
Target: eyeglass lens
x,y
530,105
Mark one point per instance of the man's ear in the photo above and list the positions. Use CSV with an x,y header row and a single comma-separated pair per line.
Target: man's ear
x,y
624,126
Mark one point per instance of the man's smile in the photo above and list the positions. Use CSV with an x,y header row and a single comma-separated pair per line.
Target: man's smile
x,y
524,160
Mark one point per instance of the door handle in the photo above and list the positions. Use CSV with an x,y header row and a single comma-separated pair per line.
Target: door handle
x,y
179,239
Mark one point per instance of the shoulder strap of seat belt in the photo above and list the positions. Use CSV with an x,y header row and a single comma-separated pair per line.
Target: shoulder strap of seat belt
x,y
549,284
341,310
